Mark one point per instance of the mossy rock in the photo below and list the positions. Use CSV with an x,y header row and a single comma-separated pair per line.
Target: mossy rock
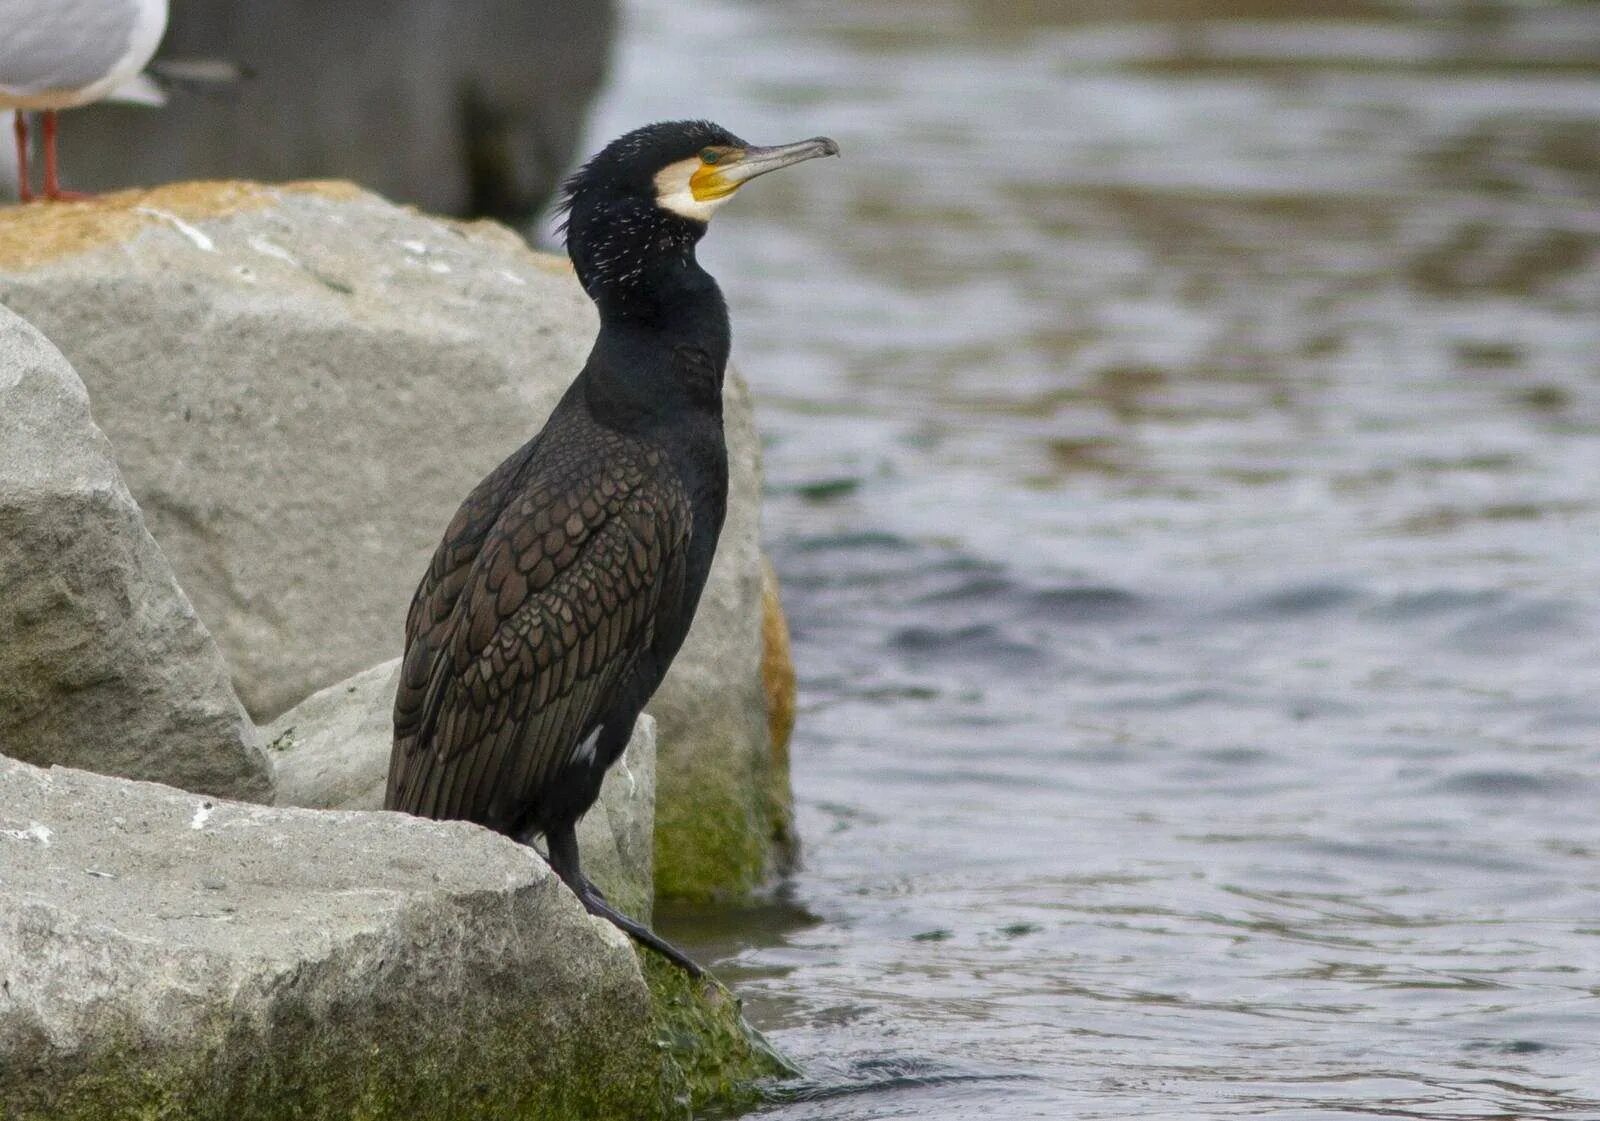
x,y
716,1059
171,957
709,1060
724,811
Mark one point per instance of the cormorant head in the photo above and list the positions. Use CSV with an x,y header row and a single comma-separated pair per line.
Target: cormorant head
x,y
646,197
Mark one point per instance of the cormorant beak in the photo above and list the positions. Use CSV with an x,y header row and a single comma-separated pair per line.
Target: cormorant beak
x,y
740,165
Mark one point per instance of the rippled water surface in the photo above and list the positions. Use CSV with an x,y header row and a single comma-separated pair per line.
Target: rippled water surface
x,y
1184,468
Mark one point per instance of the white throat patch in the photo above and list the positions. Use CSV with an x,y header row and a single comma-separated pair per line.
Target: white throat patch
x,y
674,193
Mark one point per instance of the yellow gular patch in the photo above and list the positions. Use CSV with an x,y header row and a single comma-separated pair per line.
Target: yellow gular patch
x,y
709,183
692,188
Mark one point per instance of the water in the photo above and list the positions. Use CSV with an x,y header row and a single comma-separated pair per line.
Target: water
x,y
1184,469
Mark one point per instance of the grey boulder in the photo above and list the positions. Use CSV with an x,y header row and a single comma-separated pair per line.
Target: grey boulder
x,y
303,382
103,663
168,954
331,751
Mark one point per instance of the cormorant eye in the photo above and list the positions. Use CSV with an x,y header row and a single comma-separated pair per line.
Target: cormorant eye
x,y
709,155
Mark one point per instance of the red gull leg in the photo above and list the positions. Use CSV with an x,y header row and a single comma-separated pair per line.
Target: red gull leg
x,y
20,127
52,184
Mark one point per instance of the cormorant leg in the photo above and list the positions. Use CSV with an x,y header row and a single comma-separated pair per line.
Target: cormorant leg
x,y
564,860
52,181
19,125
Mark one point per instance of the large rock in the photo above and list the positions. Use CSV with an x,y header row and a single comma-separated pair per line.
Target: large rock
x,y
170,955
303,382
103,663
467,107
719,832
331,751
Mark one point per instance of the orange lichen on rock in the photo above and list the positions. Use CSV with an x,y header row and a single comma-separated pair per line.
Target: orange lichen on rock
x,y
35,233
777,667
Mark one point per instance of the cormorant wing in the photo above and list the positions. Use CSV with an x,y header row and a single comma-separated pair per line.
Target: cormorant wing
x,y
539,603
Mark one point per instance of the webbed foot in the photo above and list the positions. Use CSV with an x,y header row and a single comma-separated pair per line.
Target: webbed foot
x,y
595,903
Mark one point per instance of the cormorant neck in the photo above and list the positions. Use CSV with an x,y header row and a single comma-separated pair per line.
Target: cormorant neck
x,y
634,258
660,291
664,337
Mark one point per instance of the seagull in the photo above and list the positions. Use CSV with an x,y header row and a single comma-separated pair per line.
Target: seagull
x,y
60,54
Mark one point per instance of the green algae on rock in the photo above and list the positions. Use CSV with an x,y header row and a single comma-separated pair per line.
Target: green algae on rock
x,y
718,1060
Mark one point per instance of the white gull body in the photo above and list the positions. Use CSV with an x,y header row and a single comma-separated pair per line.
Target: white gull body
x,y
59,54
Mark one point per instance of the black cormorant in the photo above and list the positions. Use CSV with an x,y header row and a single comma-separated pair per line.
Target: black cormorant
x,y
567,580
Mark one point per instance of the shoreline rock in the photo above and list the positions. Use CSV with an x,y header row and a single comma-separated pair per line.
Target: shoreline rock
x,y
294,409
171,954
302,382
103,663
331,752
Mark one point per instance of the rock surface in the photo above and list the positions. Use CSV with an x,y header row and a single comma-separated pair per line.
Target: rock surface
x,y
781,684
467,107
170,955
719,833
331,751
303,382
103,663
